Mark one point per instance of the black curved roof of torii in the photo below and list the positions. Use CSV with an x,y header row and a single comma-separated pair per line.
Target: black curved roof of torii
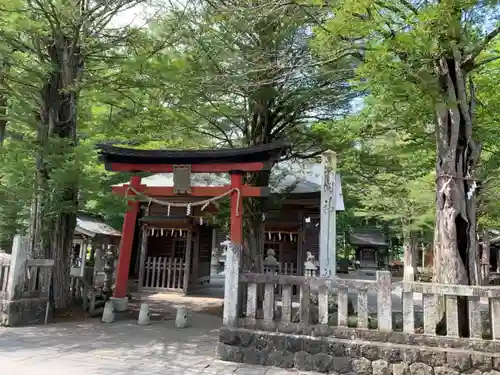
x,y
109,153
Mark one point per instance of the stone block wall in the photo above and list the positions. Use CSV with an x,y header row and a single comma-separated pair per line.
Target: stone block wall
x,y
353,356
23,312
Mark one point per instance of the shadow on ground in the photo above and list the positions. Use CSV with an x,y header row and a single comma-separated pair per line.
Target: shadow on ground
x,y
119,348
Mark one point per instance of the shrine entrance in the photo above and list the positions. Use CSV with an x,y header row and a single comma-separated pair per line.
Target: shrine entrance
x,y
180,221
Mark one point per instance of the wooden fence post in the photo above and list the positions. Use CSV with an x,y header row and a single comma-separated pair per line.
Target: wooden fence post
x,y
17,272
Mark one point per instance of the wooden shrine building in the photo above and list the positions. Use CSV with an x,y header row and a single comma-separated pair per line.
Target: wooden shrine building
x,y
91,238
169,238
371,248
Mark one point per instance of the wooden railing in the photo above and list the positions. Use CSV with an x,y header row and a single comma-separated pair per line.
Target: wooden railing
x,y
164,273
38,278
86,295
383,289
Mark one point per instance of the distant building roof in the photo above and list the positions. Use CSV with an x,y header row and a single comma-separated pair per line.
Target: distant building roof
x,y
363,237
92,226
282,180
494,236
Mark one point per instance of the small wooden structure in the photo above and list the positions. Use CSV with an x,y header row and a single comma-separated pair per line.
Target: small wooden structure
x,y
371,248
91,238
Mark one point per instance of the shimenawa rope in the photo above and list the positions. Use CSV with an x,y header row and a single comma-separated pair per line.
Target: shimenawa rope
x,y
204,203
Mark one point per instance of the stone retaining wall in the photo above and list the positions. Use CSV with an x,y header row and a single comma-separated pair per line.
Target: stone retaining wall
x,y
347,356
23,312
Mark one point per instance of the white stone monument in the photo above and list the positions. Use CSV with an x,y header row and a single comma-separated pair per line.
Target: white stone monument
x,y
328,230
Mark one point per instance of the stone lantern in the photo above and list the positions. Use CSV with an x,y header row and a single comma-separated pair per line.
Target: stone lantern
x,y
271,264
109,269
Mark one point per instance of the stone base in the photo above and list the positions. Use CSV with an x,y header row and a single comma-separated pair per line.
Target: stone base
x,y
23,312
120,304
340,356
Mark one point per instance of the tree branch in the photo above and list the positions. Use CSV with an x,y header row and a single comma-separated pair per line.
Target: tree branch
x,y
480,47
484,62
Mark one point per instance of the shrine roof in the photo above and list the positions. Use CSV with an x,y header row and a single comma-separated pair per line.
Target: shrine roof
x,y
261,153
92,226
369,238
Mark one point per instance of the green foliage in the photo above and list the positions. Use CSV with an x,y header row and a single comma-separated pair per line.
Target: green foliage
x,y
391,166
244,73
488,122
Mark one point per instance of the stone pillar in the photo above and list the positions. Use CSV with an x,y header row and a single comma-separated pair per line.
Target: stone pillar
x,y
498,260
233,257
309,267
98,262
83,257
271,267
231,283
328,211
17,271
214,259
119,303
109,263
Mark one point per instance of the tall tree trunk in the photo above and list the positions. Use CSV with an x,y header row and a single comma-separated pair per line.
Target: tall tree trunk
x,y
409,257
485,257
254,252
457,155
3,116
4,67
10,212
55,203
254,223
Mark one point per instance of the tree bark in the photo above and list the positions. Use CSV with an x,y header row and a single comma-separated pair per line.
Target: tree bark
x,y
409,257
55,204
253,257
4,67
485,257
457,153
3,117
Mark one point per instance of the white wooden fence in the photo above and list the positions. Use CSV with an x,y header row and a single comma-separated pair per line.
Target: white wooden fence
x,y
163,273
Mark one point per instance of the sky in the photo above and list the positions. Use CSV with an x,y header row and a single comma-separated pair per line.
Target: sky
x,y
139,14
135,16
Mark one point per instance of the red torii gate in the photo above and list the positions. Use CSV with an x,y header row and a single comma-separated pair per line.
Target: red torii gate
x,y
237,162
